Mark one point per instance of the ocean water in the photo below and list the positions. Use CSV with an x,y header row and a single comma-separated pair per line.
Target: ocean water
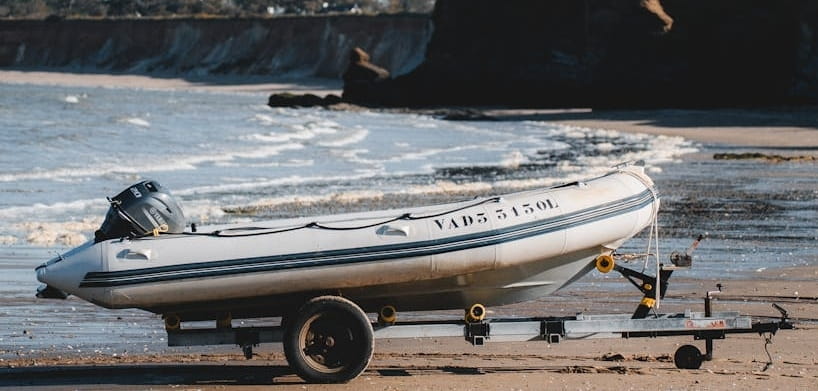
x,y
63,150
228,158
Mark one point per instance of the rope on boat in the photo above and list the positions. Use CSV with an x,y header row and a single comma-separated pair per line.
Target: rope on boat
x,y
653,235
407,216
481,202
269,231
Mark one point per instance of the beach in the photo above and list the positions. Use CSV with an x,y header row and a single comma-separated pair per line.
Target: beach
x,y
172,82
751,210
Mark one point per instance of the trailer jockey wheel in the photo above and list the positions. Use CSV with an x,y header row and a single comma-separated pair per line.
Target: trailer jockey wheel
x,y
330,340
688,357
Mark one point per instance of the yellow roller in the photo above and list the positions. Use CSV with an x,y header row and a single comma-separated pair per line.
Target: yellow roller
x,y
475,313
172,322
605,263
388,314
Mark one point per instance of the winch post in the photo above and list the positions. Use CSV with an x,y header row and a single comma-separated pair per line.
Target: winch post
x,y
708,312
648,286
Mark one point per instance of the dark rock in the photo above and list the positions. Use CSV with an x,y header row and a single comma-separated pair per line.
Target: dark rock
x,y
361,79
303,100
332,99
53,18
612,357
764,156
361,70
464,115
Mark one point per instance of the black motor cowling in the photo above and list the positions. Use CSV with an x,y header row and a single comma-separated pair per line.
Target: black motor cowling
x,y
141,209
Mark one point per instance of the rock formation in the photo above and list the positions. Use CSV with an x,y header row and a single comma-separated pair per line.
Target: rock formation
x,y
302,100
656,8
627,53
282,46
361,77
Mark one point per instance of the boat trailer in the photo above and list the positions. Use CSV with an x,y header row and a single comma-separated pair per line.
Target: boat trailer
x,y
701,326
478,330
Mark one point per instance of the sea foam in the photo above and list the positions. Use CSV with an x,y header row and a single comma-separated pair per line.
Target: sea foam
x,y
218,151
143,123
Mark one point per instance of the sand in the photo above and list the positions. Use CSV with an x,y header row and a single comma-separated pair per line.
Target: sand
x,y
433,364
781,128
793,128
740,361
249,84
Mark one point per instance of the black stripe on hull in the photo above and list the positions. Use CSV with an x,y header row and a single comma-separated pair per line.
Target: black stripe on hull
x,y
367,254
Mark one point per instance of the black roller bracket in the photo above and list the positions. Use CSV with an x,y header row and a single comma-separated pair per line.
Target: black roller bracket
x,y
477,333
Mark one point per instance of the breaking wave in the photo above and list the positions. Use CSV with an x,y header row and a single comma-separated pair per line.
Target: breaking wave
x,y
222,153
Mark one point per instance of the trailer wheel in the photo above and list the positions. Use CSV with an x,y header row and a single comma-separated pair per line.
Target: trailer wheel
x,y
688,357
329,340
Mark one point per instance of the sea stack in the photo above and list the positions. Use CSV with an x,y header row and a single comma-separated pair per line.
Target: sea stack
x,y
360,77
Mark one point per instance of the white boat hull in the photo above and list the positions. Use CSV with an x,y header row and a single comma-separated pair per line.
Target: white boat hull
x,y
491,251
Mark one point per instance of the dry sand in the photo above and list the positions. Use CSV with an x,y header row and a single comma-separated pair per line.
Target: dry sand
x,y
250,84
433,364
791,128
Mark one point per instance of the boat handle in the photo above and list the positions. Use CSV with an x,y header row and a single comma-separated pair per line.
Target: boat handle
x,y
389,230
142,253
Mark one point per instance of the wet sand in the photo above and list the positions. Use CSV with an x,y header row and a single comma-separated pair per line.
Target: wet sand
x,y
757,214
452,364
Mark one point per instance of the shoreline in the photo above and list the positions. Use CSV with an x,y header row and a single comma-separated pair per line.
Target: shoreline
x,y
240,84
787,129
452,363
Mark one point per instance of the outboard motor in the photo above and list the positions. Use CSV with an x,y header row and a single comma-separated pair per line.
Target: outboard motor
x,y
143,208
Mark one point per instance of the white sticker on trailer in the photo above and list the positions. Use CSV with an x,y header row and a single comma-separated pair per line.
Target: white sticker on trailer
x,y
705,324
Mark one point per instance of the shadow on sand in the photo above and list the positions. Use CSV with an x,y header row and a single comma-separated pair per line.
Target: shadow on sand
x,y
146,375
794,116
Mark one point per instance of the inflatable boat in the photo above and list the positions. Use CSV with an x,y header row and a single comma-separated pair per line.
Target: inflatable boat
x,y
493,251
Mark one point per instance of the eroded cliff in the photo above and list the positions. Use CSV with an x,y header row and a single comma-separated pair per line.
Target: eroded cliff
x,y
556,53
287,46
637,53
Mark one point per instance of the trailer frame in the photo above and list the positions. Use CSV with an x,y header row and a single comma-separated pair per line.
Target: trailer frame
x,y
699,325
645,322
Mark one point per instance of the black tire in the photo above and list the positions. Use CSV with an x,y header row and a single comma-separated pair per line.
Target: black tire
x,y
329,340
688,357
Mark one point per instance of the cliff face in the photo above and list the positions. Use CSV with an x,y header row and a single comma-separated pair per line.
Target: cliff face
x,y
636,53
805,85
297,46
616,53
